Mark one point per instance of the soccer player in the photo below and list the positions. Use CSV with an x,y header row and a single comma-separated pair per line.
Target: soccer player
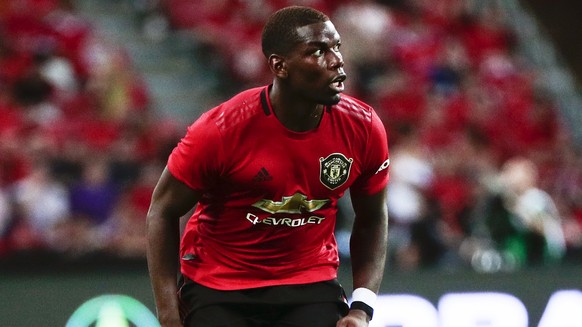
x,y
264,171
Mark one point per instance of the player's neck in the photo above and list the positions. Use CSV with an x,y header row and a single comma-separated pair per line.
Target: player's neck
x,y
295,114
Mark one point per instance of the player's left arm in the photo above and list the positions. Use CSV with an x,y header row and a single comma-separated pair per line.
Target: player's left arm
x,y
369,239
368,247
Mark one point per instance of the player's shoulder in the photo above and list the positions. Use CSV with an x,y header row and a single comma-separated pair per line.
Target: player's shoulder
x,y
354,108
238,109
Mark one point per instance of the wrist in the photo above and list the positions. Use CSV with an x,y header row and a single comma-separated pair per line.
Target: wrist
x,y
168,317
364,299
359,314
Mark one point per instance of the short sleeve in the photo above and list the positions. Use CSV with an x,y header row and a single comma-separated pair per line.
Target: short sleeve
x,y
195,160
375,162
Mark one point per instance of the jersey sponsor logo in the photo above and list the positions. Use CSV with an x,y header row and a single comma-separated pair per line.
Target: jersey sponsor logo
x,y
383,166
284,221
296,204
334,170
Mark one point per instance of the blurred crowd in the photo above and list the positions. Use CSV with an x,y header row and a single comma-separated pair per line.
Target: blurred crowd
x,y
484,173
80,147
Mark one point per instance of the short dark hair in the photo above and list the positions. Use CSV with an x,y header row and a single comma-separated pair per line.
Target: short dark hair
x,y
280,32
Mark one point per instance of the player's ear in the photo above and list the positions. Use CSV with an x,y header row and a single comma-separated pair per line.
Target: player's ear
x,y
278,65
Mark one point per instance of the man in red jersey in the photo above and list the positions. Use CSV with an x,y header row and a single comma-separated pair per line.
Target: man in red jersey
x,y
265,170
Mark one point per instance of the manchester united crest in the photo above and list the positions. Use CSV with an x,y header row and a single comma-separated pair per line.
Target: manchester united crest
x,y
334,170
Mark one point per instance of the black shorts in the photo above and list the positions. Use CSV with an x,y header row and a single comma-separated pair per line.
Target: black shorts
x,y
315,305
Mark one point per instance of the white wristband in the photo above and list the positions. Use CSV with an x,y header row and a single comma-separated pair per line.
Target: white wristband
x,y
365,295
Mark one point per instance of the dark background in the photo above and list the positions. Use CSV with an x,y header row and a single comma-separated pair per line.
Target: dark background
x,y
31,298
561,20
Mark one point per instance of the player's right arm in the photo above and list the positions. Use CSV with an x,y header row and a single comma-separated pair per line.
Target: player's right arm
x,y
171,200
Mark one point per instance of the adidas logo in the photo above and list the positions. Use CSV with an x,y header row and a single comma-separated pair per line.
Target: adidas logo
x,y
262,176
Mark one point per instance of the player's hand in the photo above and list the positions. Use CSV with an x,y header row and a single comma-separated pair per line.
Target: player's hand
x,y
355,318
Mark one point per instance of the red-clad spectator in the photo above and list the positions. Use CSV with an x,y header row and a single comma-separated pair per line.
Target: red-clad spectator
x,y
14,165
400,100
485,32
440,15
12,114
453,186
415,48
204,14
35,8
25,32
13,64
72,34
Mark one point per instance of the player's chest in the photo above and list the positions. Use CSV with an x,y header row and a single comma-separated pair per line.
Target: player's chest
x,y
317,166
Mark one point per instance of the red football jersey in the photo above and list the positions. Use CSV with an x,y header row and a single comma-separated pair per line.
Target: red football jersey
x,y
268,211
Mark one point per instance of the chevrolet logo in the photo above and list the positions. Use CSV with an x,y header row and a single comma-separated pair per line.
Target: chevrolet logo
x,y
297,203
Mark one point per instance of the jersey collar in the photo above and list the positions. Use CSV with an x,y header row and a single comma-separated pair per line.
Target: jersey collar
x,y
266,102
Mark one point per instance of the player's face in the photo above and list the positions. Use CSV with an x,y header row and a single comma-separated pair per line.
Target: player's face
x,y
315,66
